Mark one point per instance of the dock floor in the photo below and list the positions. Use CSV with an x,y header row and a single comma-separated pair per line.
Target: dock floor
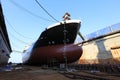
x,y
38,73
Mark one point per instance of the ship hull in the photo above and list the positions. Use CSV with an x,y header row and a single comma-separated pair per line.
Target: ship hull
x,y
56,53
55,44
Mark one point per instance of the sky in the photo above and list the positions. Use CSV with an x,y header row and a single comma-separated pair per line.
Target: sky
x,y
25,19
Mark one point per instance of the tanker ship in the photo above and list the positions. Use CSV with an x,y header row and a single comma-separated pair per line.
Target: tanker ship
x,y
56,43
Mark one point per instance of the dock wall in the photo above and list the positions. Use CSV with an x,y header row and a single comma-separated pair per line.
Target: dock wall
x,y
103,50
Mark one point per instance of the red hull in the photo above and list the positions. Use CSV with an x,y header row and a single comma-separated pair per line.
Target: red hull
x,y
45,55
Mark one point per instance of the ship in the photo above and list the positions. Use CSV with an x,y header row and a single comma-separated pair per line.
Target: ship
x,y
56,44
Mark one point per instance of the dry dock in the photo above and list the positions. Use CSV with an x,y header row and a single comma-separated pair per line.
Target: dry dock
x,y
100,61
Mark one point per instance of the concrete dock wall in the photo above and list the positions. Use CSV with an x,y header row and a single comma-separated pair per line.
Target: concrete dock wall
x,y
104,50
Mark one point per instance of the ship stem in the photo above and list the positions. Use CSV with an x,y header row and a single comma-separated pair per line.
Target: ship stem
x,y
64,53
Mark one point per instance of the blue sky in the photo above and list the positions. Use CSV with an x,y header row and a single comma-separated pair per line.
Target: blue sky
x,y
24,28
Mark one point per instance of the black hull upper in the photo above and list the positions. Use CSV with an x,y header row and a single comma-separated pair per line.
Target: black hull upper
x,y
58,34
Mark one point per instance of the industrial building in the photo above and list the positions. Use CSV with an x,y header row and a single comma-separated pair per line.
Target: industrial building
x,y
5,48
